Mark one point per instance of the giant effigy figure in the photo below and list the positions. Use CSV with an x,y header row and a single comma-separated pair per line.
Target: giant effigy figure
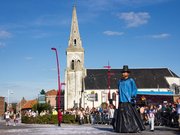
x,y
127,119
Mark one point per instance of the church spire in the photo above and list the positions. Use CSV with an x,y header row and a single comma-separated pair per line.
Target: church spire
x,y
75,40
75,70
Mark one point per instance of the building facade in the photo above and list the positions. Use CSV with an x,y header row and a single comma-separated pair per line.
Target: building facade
x,y
2,106
51,98
153,83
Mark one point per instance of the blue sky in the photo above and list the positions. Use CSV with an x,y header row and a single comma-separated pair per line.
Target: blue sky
x,y
140,33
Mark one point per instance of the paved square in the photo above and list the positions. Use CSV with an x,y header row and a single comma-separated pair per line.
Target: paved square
x,y
68,129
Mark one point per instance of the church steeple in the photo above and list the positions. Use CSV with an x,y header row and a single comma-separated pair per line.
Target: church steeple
x,y
75,51
74,40
75,70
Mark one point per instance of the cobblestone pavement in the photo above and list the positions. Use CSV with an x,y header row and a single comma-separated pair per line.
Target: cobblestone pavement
x,y
67,129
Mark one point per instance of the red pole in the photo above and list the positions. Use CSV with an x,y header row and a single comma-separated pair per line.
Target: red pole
x,y
59,82
59,85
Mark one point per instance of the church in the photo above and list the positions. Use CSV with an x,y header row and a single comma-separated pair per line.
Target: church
x,y
93,87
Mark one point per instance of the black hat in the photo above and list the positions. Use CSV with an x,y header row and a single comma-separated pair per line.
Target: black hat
x,y
125,69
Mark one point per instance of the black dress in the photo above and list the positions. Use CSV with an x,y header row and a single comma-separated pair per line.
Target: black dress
x,y
127,119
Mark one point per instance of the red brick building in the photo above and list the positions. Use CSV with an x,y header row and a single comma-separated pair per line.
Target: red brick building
x,y
2,106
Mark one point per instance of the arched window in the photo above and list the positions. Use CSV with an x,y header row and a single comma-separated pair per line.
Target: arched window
x,y
78,64
96,96
114,96
72,65
74,42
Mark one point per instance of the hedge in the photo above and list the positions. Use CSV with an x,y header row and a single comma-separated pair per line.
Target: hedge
x,y
49,119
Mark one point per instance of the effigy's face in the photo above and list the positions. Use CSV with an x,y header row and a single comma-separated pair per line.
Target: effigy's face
x,y
125,74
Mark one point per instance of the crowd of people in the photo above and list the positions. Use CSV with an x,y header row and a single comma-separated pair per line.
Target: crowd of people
x,y
93,115
165,114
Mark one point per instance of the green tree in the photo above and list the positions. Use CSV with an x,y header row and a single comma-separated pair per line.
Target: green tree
x,y
41,107
42,92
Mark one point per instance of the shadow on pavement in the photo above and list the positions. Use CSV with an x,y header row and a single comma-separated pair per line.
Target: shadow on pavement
x,y
109,129
175,131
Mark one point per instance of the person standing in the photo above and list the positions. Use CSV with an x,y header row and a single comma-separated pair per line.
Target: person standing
x,y
111,115
151,117
14,119
7,117
80,116
127,119
142,113
59,117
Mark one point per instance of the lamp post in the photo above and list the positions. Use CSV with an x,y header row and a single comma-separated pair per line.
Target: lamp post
x,y
59,88
59,116
59,82
8,97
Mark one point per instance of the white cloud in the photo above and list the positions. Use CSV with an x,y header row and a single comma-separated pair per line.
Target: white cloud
x,y
156,36
139,3
133,19
28,58
4,34
162,35
101,5
113,33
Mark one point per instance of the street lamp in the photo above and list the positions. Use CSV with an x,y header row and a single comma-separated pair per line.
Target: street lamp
x,y
59,87
59,82
9,92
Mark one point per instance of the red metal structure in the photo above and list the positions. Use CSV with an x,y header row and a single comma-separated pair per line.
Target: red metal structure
x,y
109,74
59,84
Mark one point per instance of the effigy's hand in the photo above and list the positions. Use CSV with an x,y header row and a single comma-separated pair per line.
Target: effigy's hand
x,y
133,101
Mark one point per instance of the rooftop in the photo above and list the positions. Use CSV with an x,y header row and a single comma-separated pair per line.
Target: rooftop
x,y
144,78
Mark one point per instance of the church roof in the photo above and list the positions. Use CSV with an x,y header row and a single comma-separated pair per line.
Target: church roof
x,y
144,78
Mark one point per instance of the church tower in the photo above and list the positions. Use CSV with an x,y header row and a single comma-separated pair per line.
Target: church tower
x,y
75,71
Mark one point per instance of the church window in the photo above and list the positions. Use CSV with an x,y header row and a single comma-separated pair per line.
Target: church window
x,y
72,65
78,64
74,42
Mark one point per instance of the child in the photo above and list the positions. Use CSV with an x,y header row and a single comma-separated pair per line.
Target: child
x,y
151,117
